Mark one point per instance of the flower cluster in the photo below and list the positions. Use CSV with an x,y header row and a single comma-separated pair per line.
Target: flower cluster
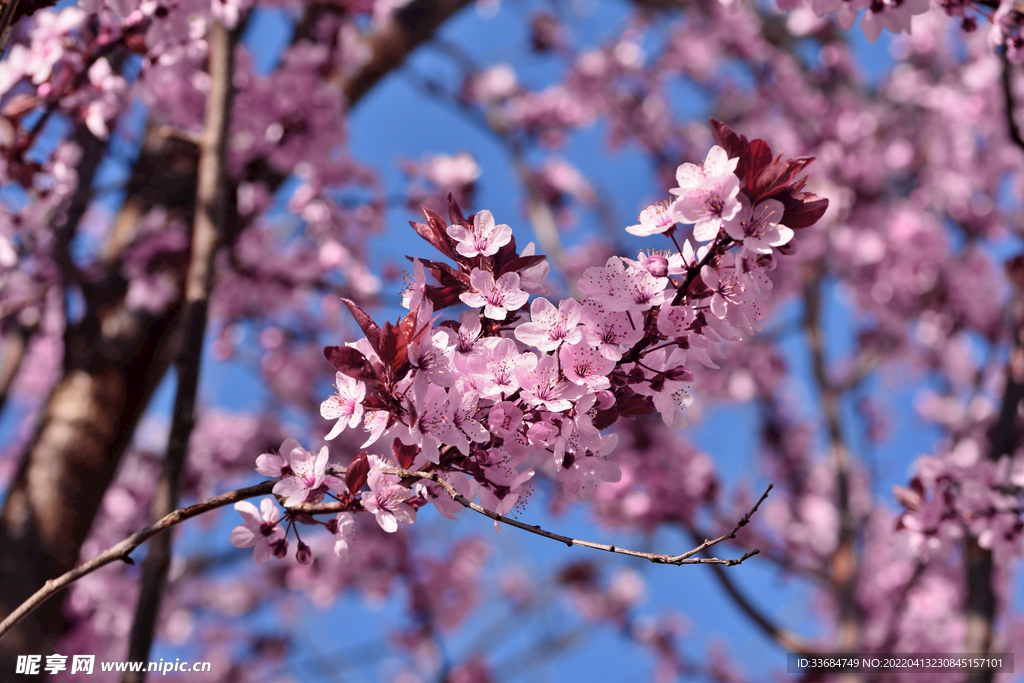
x,y
510,387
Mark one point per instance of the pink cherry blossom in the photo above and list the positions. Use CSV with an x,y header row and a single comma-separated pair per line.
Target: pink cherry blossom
x,y
758,228
386,499
550,326
344,530
412,294
542,387
497,297
346,406
655,219
376,422
308,474
483,239
584,365
433,426
692,176
612,333
709,205
259,529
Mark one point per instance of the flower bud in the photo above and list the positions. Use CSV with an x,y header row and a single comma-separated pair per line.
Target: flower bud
x,y
657,265
304,554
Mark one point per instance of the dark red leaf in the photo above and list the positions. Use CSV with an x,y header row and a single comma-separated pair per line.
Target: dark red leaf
x,y
444,273
803,209
505,255
454,212
388,344
365,323
521,263
351,362
605,418
726,138
355,475
442,297
404,455
755,158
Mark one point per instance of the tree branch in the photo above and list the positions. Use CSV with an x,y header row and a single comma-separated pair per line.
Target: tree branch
x,y
843,564
784,637
207,235
1011,119
123,550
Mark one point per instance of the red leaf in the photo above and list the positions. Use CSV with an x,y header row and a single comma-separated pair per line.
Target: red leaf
x,y
365,323
605,418
355,475
388,344
442,297
351,362
726,138
404,455
505,255
521,263
756,157
454,212
444,273
803,209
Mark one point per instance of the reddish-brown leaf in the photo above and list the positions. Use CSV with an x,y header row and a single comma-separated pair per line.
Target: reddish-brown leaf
x,y
365,323
404,455
454,212
351,362
726,138
521,263
355,475
803,209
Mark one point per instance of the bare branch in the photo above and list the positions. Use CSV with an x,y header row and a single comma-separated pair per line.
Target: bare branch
x,y
208,233
843,564
685,558
123,550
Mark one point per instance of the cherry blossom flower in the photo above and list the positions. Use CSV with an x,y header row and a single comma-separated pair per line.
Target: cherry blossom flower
x,y
376,422
668,386
584,365
277,466
611,333
308,474
430,360
467,427
550,326
709,205
343,527
758,227
637,290
259,529
484,238
386,498
658,263
532,278
655,219
497,298
346,406
541,386
433,425
727,286
602,283
494,369
412,294
692,176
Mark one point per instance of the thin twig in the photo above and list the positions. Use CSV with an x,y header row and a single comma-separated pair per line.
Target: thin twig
x,y
123,550
685,558
207,235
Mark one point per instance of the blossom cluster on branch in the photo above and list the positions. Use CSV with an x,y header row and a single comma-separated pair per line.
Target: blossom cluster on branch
x,y
510,388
